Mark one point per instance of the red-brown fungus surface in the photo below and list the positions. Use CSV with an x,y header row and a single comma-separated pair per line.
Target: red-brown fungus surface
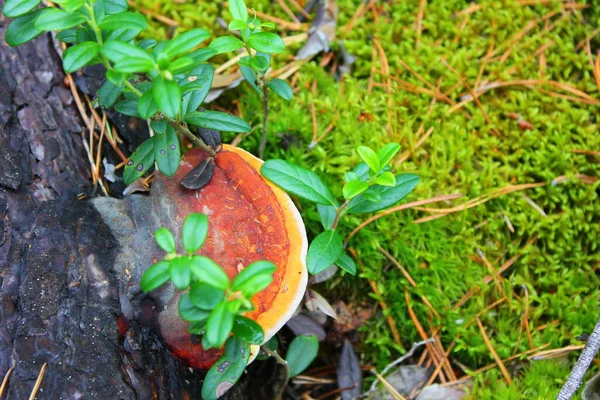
x,y
250,219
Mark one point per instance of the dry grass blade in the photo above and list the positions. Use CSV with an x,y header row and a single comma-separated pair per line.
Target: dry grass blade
x,y
5,380
494,354
288,11
156,16
554,353
362,7
407,153
420,14
38,382
390,388
300,9
292,26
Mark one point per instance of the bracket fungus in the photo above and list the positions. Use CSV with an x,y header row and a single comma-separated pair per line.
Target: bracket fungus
x,y
251,219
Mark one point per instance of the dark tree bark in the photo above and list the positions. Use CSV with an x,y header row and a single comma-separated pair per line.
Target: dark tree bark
x,y
67,296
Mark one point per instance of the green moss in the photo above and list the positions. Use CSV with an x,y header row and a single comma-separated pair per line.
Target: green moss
x,y
463,155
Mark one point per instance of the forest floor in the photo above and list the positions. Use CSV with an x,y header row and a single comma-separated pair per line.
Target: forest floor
x,y
495,105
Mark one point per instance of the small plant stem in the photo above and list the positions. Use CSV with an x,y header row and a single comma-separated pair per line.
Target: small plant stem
x,y
280,361
263,138
184,130
581,366
338,213
97,33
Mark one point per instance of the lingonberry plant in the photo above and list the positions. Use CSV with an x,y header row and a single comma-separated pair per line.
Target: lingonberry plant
x,y
371,186
166,82
255,65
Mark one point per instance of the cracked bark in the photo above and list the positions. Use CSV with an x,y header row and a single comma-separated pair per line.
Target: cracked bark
x,y
63,300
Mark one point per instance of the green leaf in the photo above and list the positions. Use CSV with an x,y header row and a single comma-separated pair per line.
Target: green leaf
x,y
248,330
109,93
147,107
166,151
134,65
179,271
238,10
185,42
147,44
387,152
272,344
198,83
123,20
354,188
302,351
219,325
139,162
385,179
67,36
281,88
165,240
117,51
128,107
227,370
123,35
269,25
155,276
55,19
70,5
205,296
259,63
167,96
209,272
250,77
159,126
79,55
267,42
324,251
225,44
370,157
346,263
202,55
23,29
298,181
254,278
327,215
189,312
16,8
181,65
194,232
109,7
219,121
372,195
390,195
237,25
351,176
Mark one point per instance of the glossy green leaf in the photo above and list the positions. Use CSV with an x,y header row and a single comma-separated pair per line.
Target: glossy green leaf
x,y
387,152
323,251
248,330
70,5
23,29
179,271
123,20
254,278
370,157
128,107
155,276
346,263
298,181
205,296
217,120
79,55
167,96
327,215
123,35
351,176
281,88
16,8
226,44
209,272
250,77
390,195
117,51
67,36
202,55
194,232
354,188
134,65
185,42
238,10
147,44
147,107
219,325
267,42
55,19
227,370
189,312
301,353
197,84
139,162
385,179
165,240
259,63
181,65
166,151
109,93
109,7
237,25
